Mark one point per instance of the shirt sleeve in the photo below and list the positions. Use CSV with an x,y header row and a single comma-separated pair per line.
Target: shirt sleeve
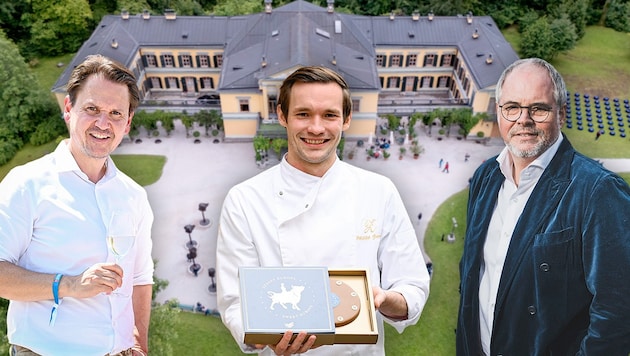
x,y
16,226
144,262
234,248
401,262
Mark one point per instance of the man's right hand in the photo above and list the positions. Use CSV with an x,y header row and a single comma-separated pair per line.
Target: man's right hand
x,y
100,278
285,347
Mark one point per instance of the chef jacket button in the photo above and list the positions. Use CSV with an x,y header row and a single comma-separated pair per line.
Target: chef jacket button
x,y
531,309
544,267
280,193
306,206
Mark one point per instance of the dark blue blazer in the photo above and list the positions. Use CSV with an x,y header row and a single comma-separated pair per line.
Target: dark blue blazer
x,y
565,286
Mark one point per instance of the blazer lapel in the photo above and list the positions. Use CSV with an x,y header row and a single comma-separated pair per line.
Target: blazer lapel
x,y
543,201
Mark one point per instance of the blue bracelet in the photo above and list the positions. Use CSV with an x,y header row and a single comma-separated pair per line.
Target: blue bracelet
x,y
55,290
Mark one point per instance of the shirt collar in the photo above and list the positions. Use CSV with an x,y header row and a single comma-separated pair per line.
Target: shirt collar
x,y
505,159
66,162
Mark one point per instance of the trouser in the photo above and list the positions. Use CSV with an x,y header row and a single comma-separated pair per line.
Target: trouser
x,y
17,350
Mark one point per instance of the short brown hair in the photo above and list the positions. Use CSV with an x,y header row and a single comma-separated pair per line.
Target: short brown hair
x,y
110,70
314,74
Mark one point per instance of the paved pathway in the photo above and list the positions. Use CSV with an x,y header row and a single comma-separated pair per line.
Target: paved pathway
x,y
204,172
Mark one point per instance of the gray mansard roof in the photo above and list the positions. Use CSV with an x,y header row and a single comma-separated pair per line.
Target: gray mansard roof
x,y
300,33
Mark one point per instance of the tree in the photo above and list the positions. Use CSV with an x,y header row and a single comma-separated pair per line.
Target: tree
x,y
537,40
233,8
618,16
23,104
564,35
59,27
135,6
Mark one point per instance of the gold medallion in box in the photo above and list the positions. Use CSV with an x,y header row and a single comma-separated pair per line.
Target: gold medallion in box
x,y
362,329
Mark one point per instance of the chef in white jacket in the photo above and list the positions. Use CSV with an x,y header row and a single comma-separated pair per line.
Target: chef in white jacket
x,y
312,209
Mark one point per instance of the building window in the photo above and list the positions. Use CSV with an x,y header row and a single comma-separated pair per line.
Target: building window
x,y
272,103
244,105
171,83
380,60
429,60
206,83
189,85
410,84
412,59
447,60
218,60
151,60
156,82
466,85
167,60
442,82
204,61
395,60
392,82
426,82
186,61
356,105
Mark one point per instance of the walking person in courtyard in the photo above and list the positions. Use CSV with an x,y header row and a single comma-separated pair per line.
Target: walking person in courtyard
x,y
289,215
547,250
446,167
69,294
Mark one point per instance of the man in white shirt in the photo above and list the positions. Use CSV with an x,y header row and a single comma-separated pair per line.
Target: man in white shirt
x,y
69,293
547,252
315,210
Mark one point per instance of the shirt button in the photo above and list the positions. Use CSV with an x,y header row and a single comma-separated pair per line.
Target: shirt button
x,y
544,267
531,309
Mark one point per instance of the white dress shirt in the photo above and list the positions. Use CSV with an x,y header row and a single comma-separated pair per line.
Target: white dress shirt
x,y
347,218
54,220
511,201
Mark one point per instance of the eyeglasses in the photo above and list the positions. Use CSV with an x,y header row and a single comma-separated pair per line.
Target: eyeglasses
x,y
95,111
512,112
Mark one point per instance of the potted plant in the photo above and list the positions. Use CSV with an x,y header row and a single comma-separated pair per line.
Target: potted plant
x,y
417,150
402,152
386,154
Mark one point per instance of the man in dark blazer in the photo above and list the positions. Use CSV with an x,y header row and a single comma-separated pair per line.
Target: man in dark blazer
x,y
546,263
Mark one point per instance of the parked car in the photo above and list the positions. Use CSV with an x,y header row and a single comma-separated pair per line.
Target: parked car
x,y
209,99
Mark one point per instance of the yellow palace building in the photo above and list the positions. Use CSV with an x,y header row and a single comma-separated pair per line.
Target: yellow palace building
x,y
235,64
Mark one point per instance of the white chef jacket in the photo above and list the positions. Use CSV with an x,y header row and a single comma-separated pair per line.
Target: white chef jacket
x,y
53,220
349,218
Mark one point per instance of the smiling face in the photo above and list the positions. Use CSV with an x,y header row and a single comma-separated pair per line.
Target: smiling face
x,y
98,120
314,124
526,140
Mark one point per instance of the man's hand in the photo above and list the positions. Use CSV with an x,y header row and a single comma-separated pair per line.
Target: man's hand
x,y
285,347
391,304
100,278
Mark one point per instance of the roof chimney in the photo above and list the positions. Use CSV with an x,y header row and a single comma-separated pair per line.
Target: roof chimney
x,y
331,6
264,62
489,59
114,43
146,14
475,34
268,6
430,15
392,16
469,17
124,14
415,16
170,14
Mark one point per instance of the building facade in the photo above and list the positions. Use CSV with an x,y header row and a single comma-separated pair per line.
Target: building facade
x,y
393,64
